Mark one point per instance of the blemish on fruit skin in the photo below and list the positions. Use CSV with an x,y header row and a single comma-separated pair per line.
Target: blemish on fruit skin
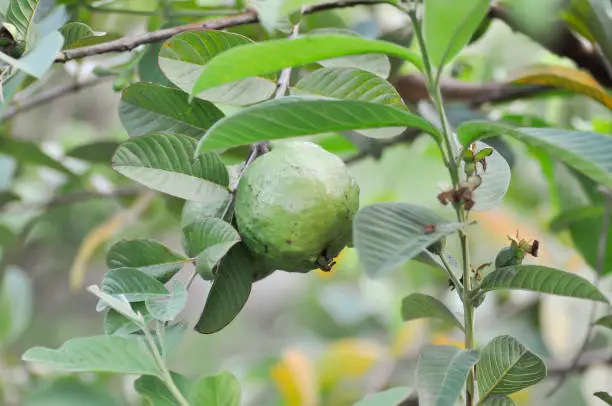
x,y
288,242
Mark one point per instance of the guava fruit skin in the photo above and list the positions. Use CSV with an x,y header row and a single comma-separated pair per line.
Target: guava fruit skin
x,y
295,205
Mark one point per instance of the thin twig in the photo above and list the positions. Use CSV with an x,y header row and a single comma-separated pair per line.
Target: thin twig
x,y
601,259
50,95
128,43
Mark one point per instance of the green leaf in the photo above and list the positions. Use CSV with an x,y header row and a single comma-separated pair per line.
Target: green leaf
x,y
16,302
117,324
587,152
566,219
498,400
254,59
97,354
120,304
441,373
605,321
167,308
419,305
604,396
135,285
541,279
20,13
391,396
148,256
349,84
209,240
388,234
376,63
229,292
73,32
219,390
183,57
148,67
37,61
164,162
29,153
506,367
155,391
148,107
96,152
449,25
301,116
69,391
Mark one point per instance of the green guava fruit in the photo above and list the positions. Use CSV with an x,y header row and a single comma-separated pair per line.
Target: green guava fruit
x,y
295,206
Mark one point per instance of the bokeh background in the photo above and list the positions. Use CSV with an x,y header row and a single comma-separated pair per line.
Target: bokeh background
x,y
320,339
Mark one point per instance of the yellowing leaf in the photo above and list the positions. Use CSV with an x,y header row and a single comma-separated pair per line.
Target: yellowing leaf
x,y
577,81
295,379
521,398
100,234
346,359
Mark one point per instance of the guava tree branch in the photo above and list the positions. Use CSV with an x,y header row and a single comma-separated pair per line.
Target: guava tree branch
x,y
19,106
128,43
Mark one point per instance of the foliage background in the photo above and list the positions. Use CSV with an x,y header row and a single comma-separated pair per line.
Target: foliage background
x,y
315,339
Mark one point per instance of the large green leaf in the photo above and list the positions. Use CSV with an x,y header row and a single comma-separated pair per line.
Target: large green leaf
x,y
391,396
209,240
20,13
168,307
165,162
149,256
419,305
377,63
156,392
29,153
588,152
183,57
16,302
349,84
148,107
133,284
75,31
449,25
254,59
229,292
388,234
541,279
506,367
301,116
97,354
219,390
441,373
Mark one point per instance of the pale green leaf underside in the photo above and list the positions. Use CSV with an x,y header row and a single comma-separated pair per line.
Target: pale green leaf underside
x,y
301,116
541,279
37,61
147,255
183,57
219,390
419,305
168,307
441,373
148,107
97,354
495,181
587,152
506,367
133,284
254,59
165,162
391,396
388,234
156,391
